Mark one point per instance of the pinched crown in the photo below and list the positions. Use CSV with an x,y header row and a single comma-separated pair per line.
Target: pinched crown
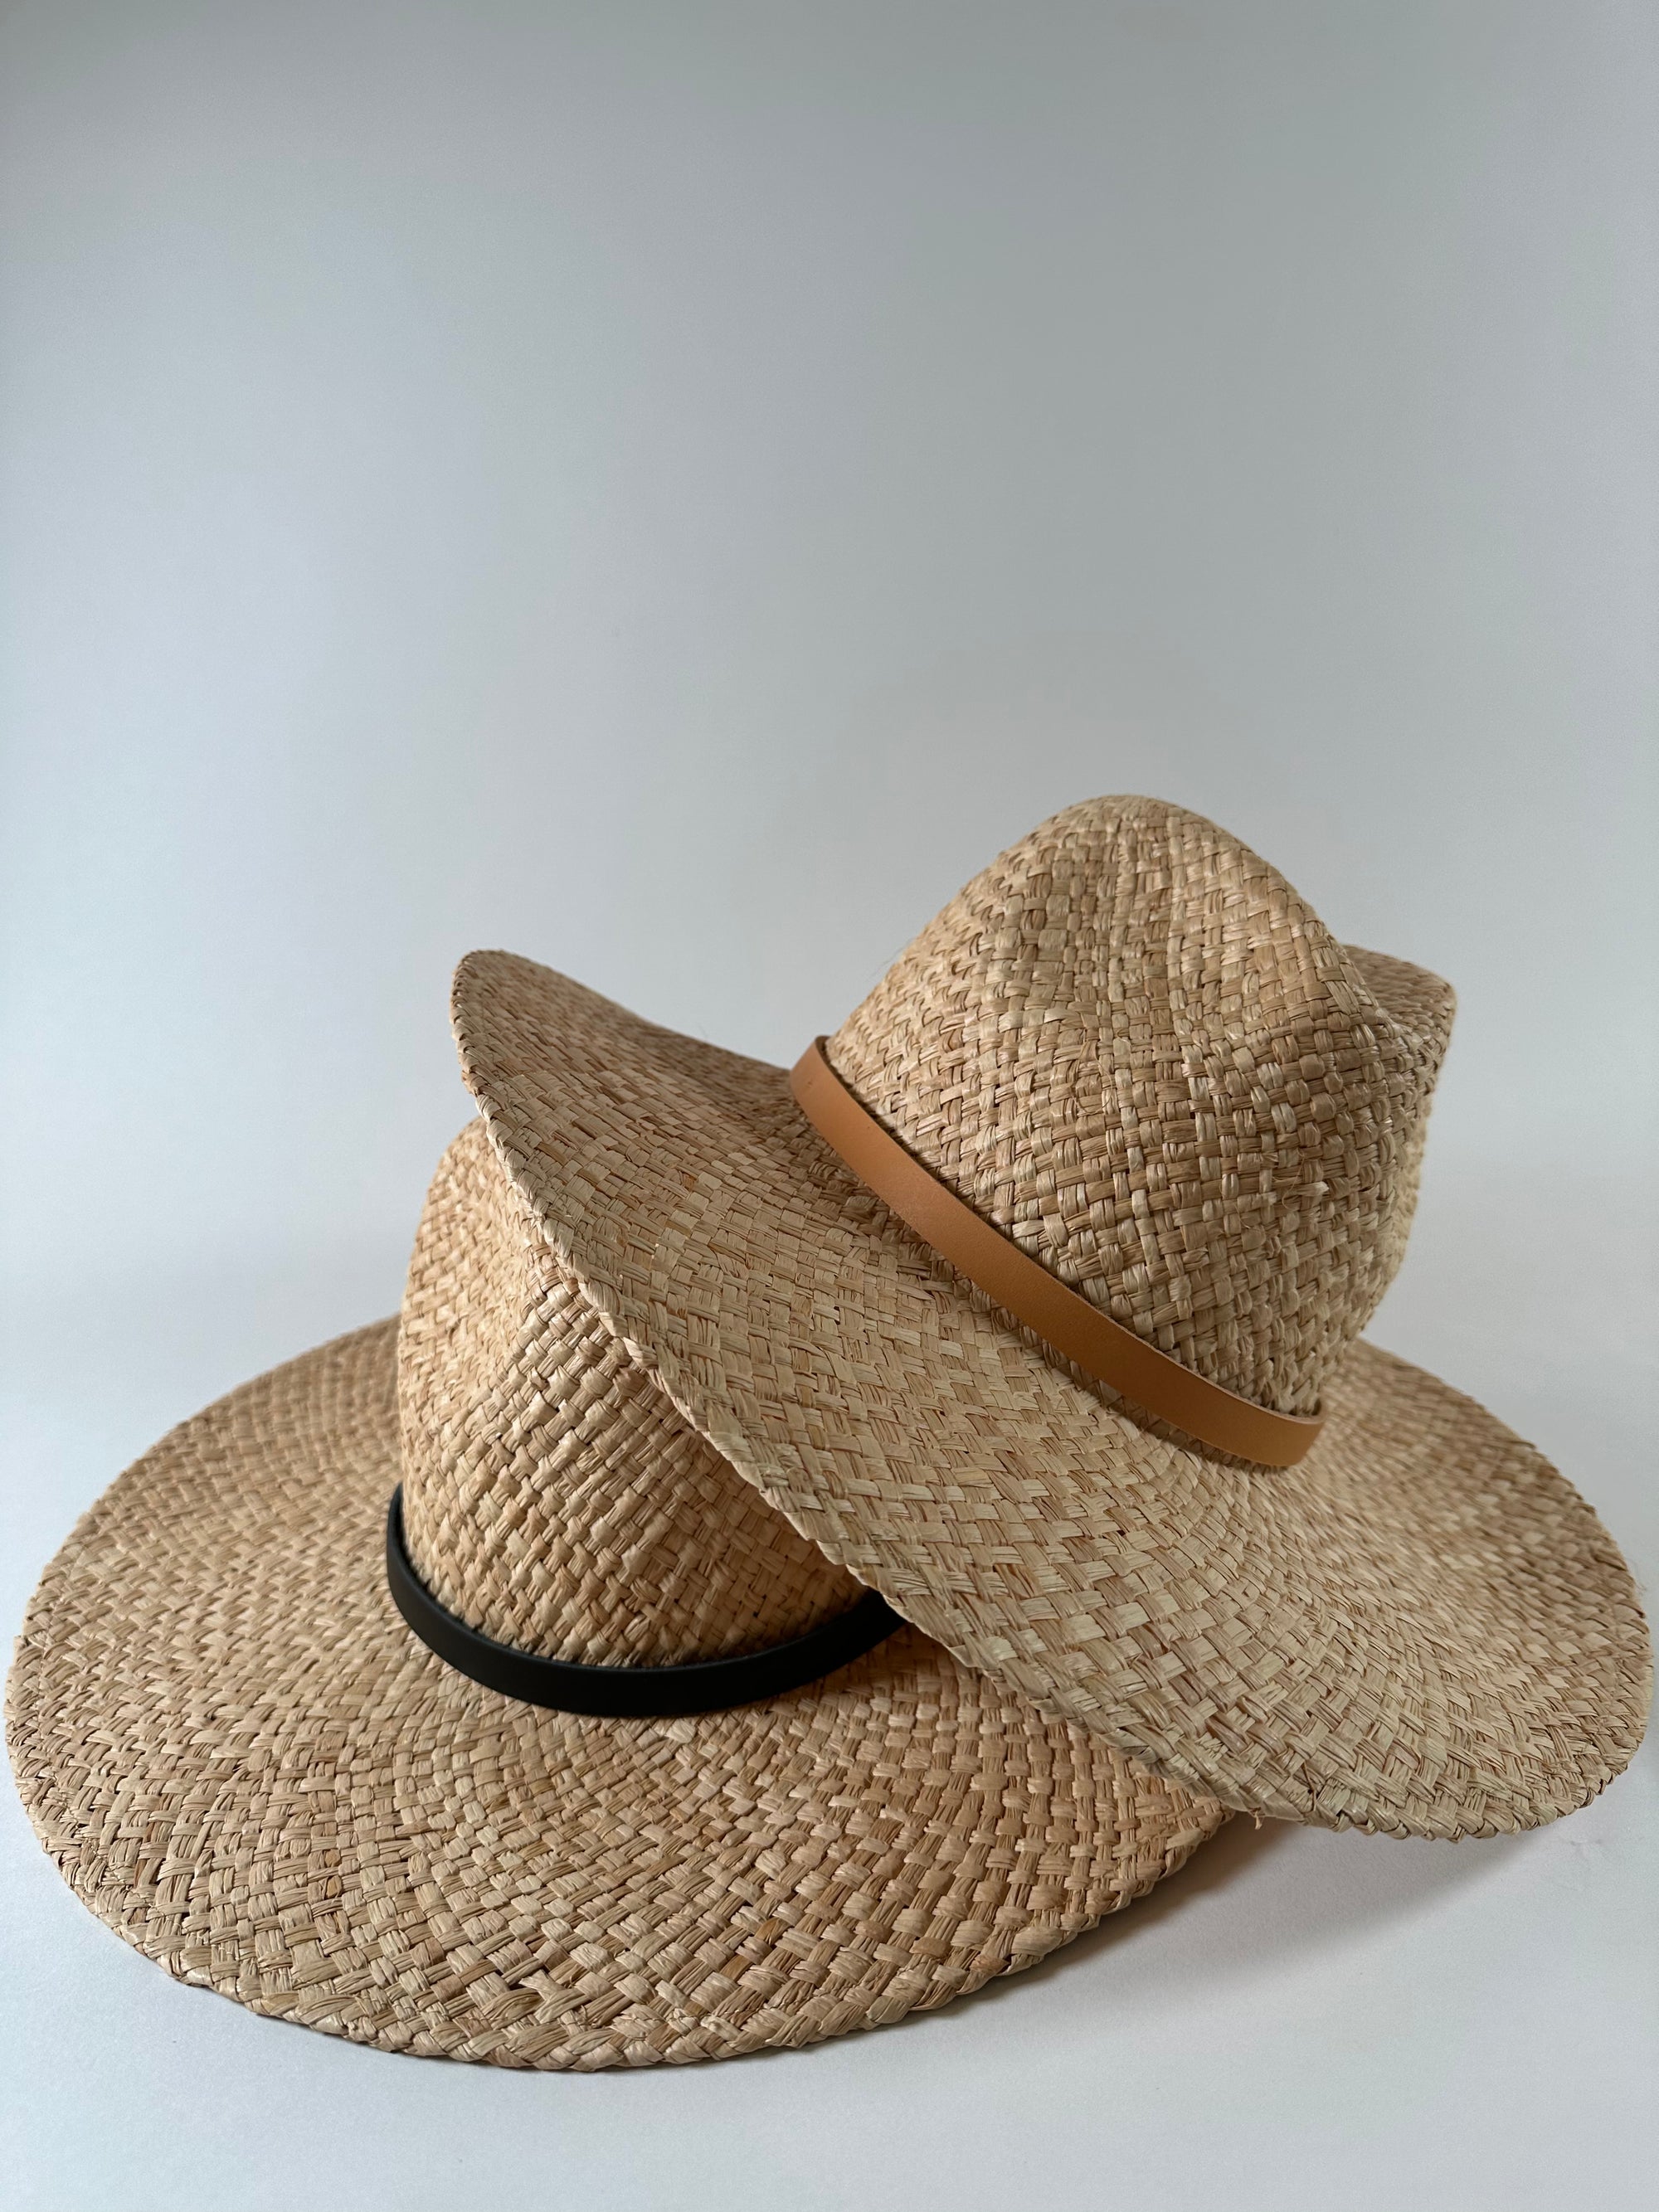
x,y
553,1498
1134,1048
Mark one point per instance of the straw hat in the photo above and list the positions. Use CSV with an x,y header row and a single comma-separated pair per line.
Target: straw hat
x,y
243,1760
683,1367
1133,1061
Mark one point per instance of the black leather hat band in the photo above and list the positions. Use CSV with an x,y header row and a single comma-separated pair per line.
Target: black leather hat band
x,y
703,1686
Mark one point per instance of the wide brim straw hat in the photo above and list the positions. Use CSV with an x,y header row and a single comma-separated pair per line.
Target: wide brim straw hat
x,y
246,1763
683,1364
1133,1051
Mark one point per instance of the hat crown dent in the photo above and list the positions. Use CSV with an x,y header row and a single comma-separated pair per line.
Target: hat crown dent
x,y
553,1498
1131,1046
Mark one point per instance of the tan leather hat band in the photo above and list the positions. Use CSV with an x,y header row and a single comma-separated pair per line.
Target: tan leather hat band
x,y
1023,1287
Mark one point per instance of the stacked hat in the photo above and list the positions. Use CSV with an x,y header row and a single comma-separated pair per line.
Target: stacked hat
x,y
814,1541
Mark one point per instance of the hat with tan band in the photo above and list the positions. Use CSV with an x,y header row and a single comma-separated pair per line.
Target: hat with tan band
x,y
813,1544
1034,1299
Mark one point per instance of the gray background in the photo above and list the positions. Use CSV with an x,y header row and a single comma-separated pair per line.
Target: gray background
x,y
672,490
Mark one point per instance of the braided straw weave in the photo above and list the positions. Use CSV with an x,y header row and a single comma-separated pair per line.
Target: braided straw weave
x,y
1133,1048
243,1761
552,1496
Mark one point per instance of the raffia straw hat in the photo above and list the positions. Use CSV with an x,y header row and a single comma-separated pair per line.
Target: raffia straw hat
x,y
1042,1319
1030,1302
242,1760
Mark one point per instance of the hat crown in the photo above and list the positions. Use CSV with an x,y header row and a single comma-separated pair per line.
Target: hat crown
x,y
553,1497
1135,1049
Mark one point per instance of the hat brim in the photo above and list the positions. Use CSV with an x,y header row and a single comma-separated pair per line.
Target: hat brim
x,y
244,1762
1421,1629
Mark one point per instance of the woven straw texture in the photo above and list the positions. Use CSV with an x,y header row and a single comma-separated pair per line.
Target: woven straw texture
x,y
552,1496
242,1760
1132,1046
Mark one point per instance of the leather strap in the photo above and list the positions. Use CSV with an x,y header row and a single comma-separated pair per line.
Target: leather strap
x,y
1023,1287
703,1686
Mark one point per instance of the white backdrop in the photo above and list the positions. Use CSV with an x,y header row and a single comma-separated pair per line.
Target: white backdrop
x,y
672,489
